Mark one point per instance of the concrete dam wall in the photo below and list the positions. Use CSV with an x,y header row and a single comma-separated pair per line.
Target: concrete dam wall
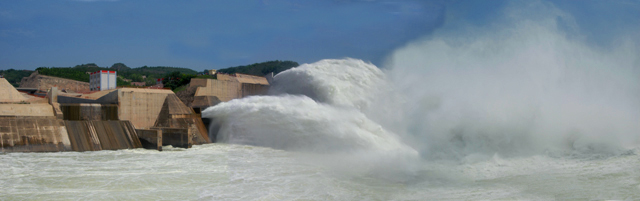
x,y
31,134
86,111
102,135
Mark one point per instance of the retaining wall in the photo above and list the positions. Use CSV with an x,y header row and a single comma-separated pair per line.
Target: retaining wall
x,y
33,110
33,134
102,135
47,134
176,137
89,112
225,90
141,106
249,89
44,83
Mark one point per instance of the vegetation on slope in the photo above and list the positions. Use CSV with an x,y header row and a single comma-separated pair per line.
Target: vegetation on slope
x,y
261,69
174,76
68,73
15,76
126,75
176,79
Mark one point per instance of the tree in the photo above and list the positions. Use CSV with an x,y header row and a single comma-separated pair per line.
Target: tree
x,y
136,78
122,83
15,76
176,79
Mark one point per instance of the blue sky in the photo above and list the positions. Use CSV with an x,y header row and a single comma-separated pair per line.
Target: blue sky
x,y
212,34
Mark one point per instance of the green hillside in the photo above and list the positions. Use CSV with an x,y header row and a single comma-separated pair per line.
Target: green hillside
x,y
261,69
142,74
15,76
147,74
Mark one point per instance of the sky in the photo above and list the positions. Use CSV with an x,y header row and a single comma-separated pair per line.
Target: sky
x,y
214,34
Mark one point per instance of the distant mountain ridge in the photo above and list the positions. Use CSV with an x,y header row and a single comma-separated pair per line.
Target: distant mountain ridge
x,y
147,74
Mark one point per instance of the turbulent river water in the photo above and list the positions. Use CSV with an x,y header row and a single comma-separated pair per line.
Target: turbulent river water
x,y
240,172
516,110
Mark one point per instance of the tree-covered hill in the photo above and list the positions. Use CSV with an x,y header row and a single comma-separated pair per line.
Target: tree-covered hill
x,y
15,76
261,69
126,74
147,74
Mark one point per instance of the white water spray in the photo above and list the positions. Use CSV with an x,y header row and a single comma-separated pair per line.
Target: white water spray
x,y
327,117
519,87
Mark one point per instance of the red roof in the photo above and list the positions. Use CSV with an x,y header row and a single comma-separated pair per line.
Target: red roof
x,y
103,71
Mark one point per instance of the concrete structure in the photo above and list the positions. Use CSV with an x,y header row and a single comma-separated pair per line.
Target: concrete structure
x,y
144,108
175,114
9,94
269,77
198,82
229,87
212,72
210,92
250,79
33,134
150,138
44,83
249,89
139,84
39,127
140,106
203,102
89,111
106,120
102,135
224,90
52,99
103,80
26,110
156,138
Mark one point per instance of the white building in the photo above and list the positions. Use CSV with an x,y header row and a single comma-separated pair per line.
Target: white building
x,y
102,80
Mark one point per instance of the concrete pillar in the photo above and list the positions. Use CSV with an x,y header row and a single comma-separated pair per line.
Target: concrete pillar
x,y
159,142
189,137
52,96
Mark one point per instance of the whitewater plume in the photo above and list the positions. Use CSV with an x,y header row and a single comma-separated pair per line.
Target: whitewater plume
x,y
526,84
325,116
298,123
341,82
327,119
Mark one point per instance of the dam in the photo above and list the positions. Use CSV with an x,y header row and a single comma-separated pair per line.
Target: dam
x,y
122,118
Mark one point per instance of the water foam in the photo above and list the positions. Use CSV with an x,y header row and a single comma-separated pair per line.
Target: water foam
x,y
298,123
328,119
520,86
340,82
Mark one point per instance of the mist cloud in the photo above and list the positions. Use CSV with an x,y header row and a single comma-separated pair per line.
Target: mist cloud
x,y
525,83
